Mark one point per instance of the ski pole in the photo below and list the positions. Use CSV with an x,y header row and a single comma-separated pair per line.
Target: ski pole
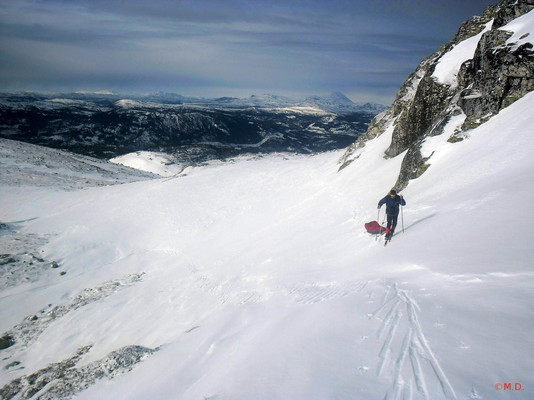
x,y
378,220
402,219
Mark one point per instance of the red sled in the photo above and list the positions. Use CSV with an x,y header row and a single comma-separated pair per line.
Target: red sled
x,y
374,228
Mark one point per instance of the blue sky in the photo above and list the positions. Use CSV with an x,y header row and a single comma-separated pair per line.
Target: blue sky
x,y
363,48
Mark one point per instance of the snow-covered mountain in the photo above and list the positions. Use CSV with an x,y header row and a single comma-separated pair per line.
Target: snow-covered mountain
x,y
339,103
254,278
485,68
106,126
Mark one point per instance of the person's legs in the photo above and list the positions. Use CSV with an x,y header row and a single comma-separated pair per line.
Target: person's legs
x,y
392,223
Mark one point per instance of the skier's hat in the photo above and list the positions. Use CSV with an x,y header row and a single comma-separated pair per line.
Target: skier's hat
x,y
393,192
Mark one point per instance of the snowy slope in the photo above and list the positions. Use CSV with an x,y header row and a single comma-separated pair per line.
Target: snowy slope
x,y
24,164
149,161
449,65
522,29
255,279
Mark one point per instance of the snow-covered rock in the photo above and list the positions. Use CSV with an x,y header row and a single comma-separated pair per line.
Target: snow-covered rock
x,y
488,66
448,66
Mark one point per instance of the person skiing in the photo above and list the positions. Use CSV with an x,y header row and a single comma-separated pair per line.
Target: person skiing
x,y
392,202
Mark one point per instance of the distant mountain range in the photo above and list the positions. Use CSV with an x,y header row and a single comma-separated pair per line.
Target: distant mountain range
x,y
335,102
107,125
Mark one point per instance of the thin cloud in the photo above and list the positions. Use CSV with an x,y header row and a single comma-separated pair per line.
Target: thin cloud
x,y
190,46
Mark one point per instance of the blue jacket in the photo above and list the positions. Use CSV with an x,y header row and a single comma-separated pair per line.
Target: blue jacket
x,y
392,204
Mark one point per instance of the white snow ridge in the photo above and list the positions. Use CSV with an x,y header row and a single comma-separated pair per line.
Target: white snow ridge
x,y
154,162
449,65
256,280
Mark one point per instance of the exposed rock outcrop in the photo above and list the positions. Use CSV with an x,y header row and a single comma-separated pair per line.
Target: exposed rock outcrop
x,y
64,379
498,75
500,72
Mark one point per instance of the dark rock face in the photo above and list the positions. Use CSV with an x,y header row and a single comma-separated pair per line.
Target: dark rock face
x,y
429,100
509,10
413,165
475,25
498,74
6,341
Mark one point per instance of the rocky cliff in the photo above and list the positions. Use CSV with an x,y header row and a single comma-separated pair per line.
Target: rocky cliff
x,y
486,67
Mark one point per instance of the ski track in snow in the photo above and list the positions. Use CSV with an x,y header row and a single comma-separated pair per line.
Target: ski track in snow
x,y
228,292
315,292
398,311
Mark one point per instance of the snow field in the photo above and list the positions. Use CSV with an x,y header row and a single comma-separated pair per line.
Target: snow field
x,y
450,63
156,163
522,28
259,282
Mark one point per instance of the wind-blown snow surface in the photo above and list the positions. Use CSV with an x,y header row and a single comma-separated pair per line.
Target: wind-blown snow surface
x,y
255,279
521,28
446,70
